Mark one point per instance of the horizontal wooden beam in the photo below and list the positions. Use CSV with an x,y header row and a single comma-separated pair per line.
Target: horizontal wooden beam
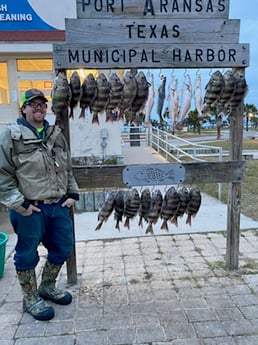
x,y
119,31
106,56
105,176
152,8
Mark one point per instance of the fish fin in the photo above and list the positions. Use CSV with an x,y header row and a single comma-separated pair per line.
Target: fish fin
x,y
127,223
117,225
174,221
149,229
140,222
164,226
71,116
109,117
82,114
98,226
189,220
95,119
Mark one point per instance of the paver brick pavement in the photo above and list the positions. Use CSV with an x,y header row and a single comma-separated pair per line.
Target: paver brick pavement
x,y
157,290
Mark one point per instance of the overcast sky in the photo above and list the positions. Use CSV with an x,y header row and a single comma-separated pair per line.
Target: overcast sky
x,y
245,10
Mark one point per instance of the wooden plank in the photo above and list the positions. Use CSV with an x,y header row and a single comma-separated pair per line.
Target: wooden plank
x,y
158,8
234,190
107,56
90,177
148,30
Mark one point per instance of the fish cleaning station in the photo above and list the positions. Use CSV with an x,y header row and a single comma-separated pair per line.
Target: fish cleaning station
x,y
153,34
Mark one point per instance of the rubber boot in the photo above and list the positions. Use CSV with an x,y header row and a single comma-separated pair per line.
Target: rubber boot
x,y
47,288
32,303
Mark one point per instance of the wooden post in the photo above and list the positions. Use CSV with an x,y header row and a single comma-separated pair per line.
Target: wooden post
x,y
71,262
234,189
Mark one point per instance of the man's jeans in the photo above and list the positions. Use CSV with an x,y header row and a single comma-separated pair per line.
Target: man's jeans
x,y
52,226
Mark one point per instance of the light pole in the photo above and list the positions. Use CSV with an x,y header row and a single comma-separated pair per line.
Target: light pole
x,y
248,117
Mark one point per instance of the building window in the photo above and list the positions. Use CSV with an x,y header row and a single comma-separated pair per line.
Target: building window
x,y
4,85
34,65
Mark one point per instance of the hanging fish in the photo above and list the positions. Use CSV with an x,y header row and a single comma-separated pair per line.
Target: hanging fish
x,y
60,95
228,90
186,101
129,93
140,98
194,204
198,95
119,208
240,90
184,198
75,87
132,204
88,93
102,97
116,92
154,211
106,209
170,206
161,99
145,203
150,102
214,89
173,99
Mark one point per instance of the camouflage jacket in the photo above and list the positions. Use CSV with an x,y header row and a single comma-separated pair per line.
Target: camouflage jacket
x,y
32,168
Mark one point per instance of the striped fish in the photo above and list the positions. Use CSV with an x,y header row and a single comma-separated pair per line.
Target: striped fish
x,y
240,90
119,208
228,90
144,205
155,208
184,198
102,97
170,206
106,209
88,93
75,86
214,89
116,92
194,204
132,204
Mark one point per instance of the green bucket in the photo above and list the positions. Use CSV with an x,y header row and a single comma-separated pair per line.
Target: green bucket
x,y
3,240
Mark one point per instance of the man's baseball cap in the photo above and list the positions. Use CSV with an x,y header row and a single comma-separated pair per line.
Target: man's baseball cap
x,y
31,94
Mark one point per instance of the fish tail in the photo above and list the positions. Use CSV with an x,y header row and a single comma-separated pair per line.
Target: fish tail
x,y
109,117
189,220
140,222
164,226
120,116
98,226
82,114
71,116
149,229
95,119
127,223
174,221
117,225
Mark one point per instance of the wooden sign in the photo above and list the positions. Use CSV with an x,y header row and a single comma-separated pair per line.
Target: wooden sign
x,y
149,31
150,8
70,56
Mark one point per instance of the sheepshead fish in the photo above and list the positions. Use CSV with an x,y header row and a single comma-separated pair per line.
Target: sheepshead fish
x,y
186,101
102,97
154,211
116,92
145,203
173,99
228,90
129,93
132,204
119,207
75,86
214,89
239,91
150,102
198,95
141,97
184,198
170,206
161,99
194,204
106,209
60,94
88,93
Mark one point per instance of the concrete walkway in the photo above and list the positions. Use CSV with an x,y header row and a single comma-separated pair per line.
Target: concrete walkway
x,y
166,289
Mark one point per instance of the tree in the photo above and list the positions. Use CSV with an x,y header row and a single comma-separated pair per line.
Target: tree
x,y
193,120
250,109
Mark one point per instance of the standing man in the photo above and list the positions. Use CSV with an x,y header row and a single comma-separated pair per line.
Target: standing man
x,y
38,186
